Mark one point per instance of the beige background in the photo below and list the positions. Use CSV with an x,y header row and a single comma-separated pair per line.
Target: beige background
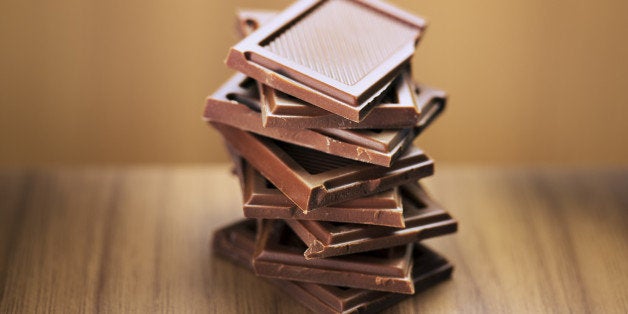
x,y
123,81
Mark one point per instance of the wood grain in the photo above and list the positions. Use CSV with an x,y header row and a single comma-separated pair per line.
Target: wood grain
x,y
137,240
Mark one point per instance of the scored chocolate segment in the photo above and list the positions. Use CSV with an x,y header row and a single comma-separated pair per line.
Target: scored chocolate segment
x,y
237,243
355,49
399,106
263,200
236,103
352,29
278,254
312,179
424,218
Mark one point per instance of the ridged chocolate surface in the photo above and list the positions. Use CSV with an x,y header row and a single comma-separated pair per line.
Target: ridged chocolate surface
x,y
342,40
313,161
399,107
337,55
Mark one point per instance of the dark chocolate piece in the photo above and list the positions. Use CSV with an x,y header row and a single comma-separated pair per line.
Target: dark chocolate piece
x,y
312,179
279,254
264,200
355,49
236,104
237,242
423,219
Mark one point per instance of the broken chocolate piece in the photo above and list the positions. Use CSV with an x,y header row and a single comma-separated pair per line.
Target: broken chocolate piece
x,y
370,41
423,219
279,254
312,179
236,104
237,242
263,200
403,106
399,107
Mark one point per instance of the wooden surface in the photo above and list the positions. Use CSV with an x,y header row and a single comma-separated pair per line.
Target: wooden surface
x,y
137,240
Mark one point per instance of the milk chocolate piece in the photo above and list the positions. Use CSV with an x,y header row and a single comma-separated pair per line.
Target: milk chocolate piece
x,y
423,219
263,200
237,242
312,179
353,50
236,103
401,107
279,254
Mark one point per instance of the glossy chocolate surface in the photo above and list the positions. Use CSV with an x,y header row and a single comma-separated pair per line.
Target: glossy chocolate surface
x,y
236,104
279,254
423,218
312,179
237,242
263,200
400,107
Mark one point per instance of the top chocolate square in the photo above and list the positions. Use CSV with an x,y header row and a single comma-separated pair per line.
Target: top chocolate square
x,y
338,55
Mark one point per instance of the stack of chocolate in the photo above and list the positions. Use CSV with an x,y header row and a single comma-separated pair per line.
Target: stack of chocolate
x,y
320,124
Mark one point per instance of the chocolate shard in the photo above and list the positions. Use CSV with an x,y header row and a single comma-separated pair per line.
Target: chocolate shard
x,y
237,242
424,218
236,104
370,42
432,102
312,179
279,254
263,200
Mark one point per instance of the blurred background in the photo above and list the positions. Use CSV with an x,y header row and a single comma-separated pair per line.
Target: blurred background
x,y
124,82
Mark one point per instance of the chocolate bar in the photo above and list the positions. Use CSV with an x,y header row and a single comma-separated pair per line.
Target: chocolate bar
x,y
236,104
355,49
312,179
400,106
423,219
263,200
279,254
237,243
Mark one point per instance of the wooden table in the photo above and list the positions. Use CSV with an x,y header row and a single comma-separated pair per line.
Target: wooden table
x,y
137,240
